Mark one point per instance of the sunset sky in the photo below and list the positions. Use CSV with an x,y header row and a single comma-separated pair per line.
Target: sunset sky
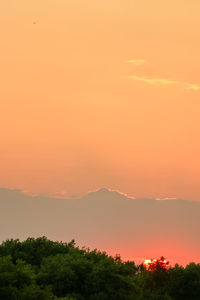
x,y
100,94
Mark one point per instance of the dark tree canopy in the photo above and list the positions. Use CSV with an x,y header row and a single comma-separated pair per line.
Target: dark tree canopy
x,y
40,269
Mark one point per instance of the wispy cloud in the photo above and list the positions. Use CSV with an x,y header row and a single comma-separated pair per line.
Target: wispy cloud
x,y
136,62
194,87
60,195
166,198
165,81
28,193
63,195
154,81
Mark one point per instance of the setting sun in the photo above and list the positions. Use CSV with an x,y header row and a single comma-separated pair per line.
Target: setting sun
x,y
155,264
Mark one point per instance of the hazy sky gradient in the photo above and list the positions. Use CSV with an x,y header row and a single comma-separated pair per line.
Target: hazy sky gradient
x,y
100,93
109,221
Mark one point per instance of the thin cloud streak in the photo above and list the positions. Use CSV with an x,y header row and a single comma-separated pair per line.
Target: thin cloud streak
x,y
165,81
136,62
154,81
194,87
166,198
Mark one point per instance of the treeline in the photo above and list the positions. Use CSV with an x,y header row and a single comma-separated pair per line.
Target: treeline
x,y
40,269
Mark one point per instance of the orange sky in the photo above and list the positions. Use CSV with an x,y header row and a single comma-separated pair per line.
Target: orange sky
x,y
100,93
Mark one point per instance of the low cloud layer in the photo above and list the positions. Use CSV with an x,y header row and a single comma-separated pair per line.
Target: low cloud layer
x,y
106,220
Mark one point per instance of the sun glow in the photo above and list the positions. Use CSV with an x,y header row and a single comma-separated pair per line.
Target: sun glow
x,y
156,264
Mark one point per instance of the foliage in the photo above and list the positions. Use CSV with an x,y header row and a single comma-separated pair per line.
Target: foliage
x,y
40,269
